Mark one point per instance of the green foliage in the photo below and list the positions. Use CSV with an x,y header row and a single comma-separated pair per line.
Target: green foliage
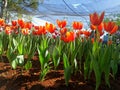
x,y
18,5
44,57
56,57
67,69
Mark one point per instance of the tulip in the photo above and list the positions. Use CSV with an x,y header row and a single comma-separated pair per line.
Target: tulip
x,y
110,27
14,23
79,33
8,30
21,23
39,30
69,37
61,24
77,25
95,19
50,27
63,31
2,22
87,33
99,28
28,25
25,31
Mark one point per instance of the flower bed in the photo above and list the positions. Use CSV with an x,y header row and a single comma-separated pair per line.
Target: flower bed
x,y
78,51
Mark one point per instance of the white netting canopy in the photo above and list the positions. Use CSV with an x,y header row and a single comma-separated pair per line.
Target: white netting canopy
x,y
71,10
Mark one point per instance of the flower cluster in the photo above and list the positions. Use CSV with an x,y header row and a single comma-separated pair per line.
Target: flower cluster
x,y
79,50
98,28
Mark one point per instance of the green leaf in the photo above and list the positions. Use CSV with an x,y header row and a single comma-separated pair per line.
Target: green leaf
x,y
44,72
14,64
75,63
11,55
65,61
1,46
56,58
15,42
67,74
87,66
20,48
47,56
28,65
107,73
95,66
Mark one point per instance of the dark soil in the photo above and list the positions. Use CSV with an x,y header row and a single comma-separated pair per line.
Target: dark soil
x,y
29,80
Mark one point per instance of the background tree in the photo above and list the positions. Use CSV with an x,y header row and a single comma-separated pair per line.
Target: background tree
x,y
17,6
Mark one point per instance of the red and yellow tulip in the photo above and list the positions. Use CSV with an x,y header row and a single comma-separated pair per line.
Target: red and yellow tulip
x,y
61,24
68,37
50,27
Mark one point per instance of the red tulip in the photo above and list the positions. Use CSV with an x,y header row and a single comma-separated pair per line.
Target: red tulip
x,y
79,33
77,25
110,27
21,23
39,30
14,23
63,31
61,24
95,19
15,29
86,33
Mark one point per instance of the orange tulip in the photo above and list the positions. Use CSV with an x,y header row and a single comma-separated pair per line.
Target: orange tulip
x,y
110,27
63,30
92,27
95,19
77,25
2,22
28,25
69,36
61,24
39,30
8,30
25,31
99,28
50,27
86,33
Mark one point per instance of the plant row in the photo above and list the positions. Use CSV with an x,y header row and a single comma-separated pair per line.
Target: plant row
x,y
80,50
